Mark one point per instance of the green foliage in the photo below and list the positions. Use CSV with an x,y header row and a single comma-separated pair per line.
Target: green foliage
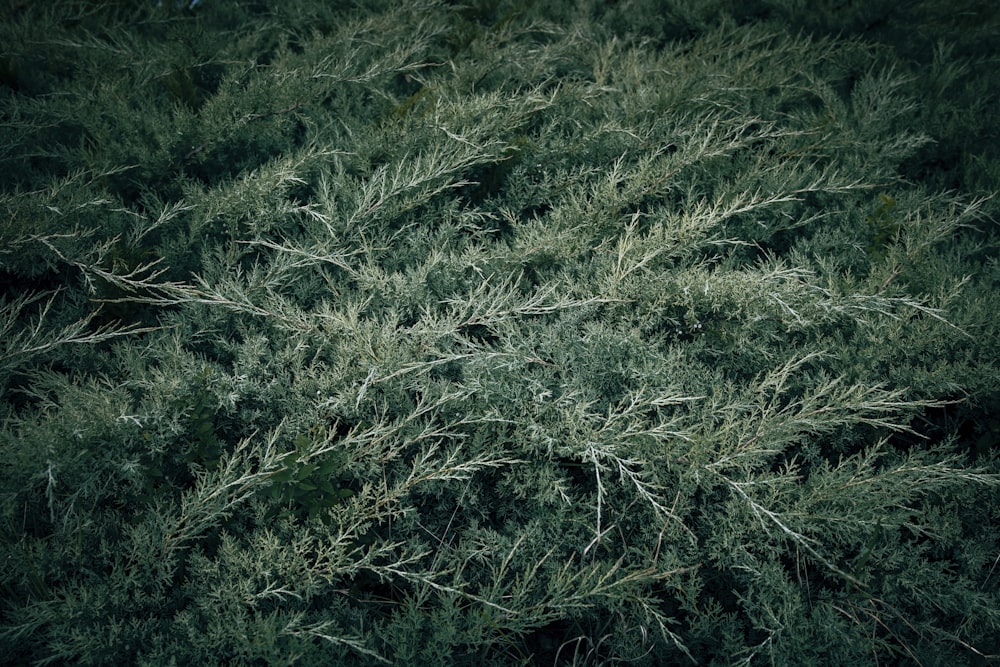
x,y
882,226
494,333
310,488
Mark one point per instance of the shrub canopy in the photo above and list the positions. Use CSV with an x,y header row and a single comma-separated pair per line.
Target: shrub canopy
x,y
496,333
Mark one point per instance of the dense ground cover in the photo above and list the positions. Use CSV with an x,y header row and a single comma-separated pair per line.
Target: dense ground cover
x,y
498,333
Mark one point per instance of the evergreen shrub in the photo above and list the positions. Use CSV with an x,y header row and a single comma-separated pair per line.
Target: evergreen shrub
x,y
490,333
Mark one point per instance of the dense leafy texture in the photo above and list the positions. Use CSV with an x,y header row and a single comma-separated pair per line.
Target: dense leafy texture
x,y
495,333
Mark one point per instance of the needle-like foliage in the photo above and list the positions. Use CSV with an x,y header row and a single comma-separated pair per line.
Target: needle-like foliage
x,y
495,333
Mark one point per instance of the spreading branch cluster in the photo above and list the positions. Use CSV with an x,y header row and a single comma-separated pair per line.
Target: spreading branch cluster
x,y
502,333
